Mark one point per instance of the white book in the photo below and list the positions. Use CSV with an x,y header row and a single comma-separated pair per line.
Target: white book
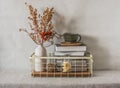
x,y
74,69
79,69
73,63
70,48
69,53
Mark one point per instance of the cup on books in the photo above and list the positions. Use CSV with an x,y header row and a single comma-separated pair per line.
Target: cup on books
x,y
69,37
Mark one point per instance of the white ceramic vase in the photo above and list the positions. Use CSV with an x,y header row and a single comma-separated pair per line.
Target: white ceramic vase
x,y
40,64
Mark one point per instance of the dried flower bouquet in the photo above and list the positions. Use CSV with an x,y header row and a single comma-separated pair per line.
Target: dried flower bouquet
x,y
41,25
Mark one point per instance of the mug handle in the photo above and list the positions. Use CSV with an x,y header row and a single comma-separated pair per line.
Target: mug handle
x,y
79,38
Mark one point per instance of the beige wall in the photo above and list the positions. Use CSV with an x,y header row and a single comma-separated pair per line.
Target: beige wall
x,y
98,21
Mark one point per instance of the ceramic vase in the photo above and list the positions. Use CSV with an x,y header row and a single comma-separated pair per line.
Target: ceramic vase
x,y
40,64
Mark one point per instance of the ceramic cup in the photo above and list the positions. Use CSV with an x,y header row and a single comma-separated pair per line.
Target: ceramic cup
x,y
69,37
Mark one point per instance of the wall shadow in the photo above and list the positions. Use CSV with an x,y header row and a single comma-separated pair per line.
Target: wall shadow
x,y
63,25
100,54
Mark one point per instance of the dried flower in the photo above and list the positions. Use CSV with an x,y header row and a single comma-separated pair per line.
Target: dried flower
x,y
41,25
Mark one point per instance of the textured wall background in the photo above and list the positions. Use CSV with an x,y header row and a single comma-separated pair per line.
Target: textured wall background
x,y
98,21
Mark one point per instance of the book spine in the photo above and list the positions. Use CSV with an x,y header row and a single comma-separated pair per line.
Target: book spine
x,y
69,53
74,69
70,48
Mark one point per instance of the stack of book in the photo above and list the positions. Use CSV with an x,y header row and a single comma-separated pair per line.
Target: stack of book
x,y
76,65
73,50
70,49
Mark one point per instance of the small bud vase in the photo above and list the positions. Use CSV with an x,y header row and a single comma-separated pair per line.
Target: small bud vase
x,y
40,64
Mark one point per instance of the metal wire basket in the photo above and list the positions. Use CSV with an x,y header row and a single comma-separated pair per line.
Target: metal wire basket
x,y
62,66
